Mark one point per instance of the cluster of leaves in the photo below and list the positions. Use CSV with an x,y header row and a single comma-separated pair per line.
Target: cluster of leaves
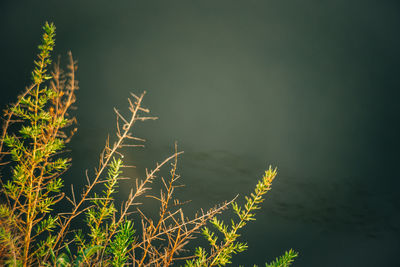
x,y
31,153
222,252
100,218
32,233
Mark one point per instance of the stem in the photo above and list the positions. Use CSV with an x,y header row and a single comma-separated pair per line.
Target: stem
x,y
75,211
31,210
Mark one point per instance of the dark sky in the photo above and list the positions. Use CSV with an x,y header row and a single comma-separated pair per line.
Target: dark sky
x,y
308,86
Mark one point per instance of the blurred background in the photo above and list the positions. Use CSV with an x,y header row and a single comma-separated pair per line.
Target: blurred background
x,y
308,86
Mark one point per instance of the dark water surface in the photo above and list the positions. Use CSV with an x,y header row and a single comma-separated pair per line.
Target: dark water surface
x,y
308,86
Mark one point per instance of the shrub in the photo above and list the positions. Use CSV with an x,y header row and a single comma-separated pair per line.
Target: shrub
x,y
36,130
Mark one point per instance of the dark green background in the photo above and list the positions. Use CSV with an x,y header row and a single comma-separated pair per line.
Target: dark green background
x,y
308,86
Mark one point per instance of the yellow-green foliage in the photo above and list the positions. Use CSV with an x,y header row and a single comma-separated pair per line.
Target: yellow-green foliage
x,y
35,132
222,252
30,152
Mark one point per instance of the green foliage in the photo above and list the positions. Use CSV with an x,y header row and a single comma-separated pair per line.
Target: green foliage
x,y
103,206
222,252
34,185
39,73
120,245
284,260
31,153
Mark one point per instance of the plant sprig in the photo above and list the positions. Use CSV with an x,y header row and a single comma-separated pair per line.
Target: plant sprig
x,y
31,153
